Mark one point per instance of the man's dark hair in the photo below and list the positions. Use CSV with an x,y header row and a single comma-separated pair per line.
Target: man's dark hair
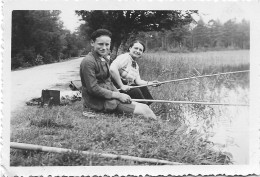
x,y
136,41
100,32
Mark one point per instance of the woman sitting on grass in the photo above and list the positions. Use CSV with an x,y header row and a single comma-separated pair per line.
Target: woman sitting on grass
x,y
125,73
98,91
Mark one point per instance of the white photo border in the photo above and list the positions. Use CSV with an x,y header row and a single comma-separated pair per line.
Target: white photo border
x,y
254,164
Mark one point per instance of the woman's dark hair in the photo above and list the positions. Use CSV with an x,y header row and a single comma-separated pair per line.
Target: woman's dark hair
x,y
100,32
136,41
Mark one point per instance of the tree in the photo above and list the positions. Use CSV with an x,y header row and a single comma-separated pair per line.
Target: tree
x,y
229,30
216,33
242,36
178,35
35,32
200,35
123,24
73,45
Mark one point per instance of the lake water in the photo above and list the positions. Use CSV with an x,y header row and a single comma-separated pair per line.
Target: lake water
x,y
232,135
229,130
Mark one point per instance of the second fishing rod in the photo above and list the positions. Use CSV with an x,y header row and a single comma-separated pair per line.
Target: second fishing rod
x,y
194,77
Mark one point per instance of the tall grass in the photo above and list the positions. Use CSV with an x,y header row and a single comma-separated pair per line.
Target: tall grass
x,y
174,137
232,88
169,65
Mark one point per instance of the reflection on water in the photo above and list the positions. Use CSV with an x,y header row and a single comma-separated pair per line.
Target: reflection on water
x,y
231,134
228,128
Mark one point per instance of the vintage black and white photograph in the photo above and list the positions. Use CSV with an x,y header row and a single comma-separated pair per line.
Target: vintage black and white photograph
x,y
125,87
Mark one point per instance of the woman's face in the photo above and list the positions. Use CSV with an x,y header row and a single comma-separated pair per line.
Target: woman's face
x,y
136,50
101,45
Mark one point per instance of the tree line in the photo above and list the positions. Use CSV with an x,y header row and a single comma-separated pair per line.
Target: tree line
x,y
38,37
214,35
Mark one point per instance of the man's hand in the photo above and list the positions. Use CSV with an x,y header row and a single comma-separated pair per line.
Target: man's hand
x,y
125,88
124,98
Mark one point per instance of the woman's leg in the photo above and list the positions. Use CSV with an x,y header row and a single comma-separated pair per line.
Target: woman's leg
x,y
147,95
135,93
140,93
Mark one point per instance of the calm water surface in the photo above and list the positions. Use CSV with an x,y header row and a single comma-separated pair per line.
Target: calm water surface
x,y
229,130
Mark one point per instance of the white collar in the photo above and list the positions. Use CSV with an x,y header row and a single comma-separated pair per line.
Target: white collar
x,y
102,59
131,57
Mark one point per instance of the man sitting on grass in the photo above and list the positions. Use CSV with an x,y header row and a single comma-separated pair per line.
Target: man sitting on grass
x,y
98,91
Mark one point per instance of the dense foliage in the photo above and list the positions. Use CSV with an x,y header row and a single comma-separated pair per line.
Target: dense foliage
x,y
38,37
123,24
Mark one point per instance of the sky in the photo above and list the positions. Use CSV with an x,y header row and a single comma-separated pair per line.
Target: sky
x,y
71,21
223,12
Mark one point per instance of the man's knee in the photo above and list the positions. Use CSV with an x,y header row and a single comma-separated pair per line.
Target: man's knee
x,y
147,110
144,110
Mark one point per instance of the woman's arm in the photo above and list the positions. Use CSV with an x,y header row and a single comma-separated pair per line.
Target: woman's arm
x,y
139,81
115,74
114,71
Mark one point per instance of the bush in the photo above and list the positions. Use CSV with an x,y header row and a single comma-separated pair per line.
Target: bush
x,y
24,58
17,62
47,58
63,56
39,60
74,53
29,56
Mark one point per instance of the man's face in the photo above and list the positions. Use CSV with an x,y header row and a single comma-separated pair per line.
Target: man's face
x,y
101,45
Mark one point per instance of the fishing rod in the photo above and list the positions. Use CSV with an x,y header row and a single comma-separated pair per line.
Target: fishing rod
x,y
188,102
194,77
34,147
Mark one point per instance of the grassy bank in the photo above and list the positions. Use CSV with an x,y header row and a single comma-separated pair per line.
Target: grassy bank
x,y
117,134
171,138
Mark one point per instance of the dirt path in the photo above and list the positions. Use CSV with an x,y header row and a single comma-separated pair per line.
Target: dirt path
x,y
27,84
